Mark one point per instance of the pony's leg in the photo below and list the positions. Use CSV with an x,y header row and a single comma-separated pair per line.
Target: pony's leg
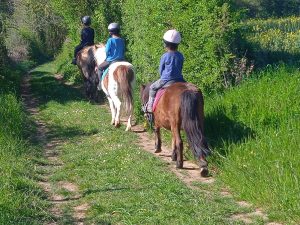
x,y
174,154
117,104
112,110
178,145
203,166
128,128
157,140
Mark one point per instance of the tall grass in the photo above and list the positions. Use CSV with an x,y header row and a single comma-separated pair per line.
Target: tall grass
x,y
262,165
20,198
273,40
287,24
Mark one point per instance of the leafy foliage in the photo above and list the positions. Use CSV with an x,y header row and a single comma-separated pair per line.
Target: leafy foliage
x,y
33,31
207,51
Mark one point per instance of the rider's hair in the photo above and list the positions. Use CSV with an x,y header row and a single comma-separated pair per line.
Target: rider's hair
x,y
115,32
171,46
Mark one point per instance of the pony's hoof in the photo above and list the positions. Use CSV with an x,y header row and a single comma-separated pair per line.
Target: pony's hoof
x,y
204,172
117,125
157,150
128,129
179,165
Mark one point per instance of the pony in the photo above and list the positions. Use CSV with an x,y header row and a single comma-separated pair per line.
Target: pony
x,y
181,106
86,63
117,84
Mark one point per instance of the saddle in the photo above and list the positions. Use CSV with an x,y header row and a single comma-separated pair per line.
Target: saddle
x,y
105,72
159,94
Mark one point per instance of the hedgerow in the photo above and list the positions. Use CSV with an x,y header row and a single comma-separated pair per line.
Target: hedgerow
x,y
207,30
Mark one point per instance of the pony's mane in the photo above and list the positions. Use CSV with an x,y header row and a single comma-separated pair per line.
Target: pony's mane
x,y
100,45
100,54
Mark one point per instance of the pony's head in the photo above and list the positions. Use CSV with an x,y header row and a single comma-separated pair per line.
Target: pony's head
x,y
100,54
144,93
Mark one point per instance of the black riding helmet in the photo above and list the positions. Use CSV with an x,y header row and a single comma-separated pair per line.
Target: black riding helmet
x,y
86,20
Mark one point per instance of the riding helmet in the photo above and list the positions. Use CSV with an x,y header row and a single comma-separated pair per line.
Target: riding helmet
x,y
114,28
86,20
172,36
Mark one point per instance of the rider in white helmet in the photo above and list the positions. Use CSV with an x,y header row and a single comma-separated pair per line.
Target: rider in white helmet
x,y
114,49
170,67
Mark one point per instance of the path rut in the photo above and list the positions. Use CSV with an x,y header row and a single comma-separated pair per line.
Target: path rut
x,y
190,175
52,163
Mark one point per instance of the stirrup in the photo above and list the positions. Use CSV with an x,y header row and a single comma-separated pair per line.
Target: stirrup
x,y
149,115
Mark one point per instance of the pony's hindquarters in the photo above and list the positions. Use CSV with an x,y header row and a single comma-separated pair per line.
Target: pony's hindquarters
x,y
86,64
192,123
124,76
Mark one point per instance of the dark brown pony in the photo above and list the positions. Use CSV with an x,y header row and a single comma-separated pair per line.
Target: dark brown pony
x,y
86,63
181,107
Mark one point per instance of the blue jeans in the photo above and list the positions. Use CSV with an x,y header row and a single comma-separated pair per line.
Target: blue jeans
x,y
156,86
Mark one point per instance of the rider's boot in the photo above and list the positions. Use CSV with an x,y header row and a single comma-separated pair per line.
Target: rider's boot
x,y
100,72
150,104
74,61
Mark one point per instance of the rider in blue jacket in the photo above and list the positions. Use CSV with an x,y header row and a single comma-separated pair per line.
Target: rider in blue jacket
x,y
170,67
87,36
114,48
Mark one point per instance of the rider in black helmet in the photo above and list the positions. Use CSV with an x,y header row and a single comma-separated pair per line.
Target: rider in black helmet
x,y
87,36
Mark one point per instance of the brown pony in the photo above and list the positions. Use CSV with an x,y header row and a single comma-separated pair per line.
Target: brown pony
x,y
86,63
181,107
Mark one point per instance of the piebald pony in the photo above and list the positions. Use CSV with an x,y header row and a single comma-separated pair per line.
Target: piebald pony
x,y
117,84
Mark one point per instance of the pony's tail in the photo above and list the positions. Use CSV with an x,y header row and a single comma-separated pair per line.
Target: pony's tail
x,y
125,76
192,122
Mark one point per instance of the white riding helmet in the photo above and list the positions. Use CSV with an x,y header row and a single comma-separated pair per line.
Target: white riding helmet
x,y
113,26
172,36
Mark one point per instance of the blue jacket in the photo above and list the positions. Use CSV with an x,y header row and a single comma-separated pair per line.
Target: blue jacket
x,y
87,36
170,67
115,49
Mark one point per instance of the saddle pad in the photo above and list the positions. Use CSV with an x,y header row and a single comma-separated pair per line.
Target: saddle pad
x,y
157,97
105,72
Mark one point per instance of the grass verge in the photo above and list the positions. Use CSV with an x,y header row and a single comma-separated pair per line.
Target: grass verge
x,y
21,200
255,131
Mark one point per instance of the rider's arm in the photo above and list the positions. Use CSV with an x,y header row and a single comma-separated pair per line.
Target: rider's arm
x,y
107,47
83,36
162,65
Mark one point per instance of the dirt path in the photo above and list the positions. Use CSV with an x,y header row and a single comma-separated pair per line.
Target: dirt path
x,y
52,163
190,175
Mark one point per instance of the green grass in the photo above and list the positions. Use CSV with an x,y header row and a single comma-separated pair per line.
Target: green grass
x,y
255,128
121,183
21,200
